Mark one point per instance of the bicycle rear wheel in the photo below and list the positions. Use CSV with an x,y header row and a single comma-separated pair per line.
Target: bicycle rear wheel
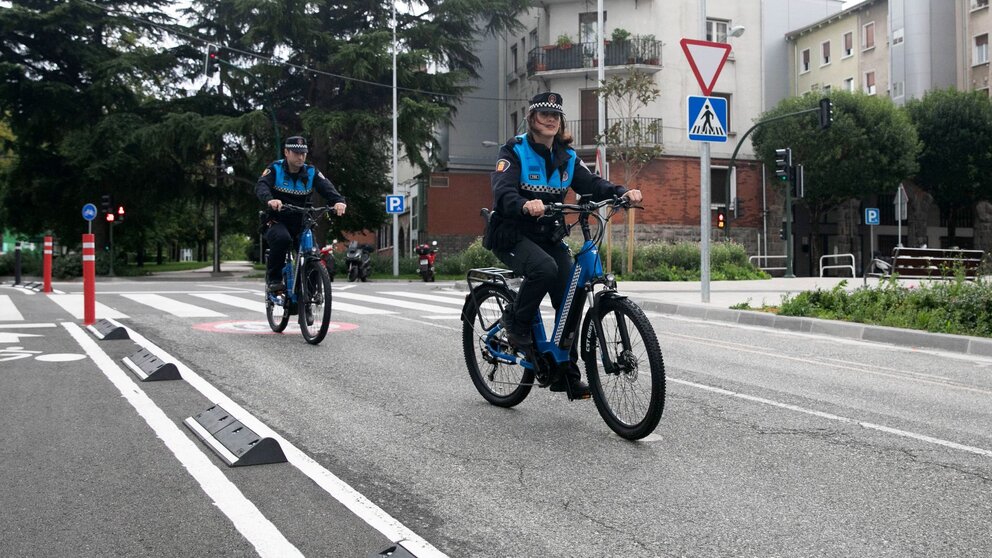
x,y
277,314
627,373
501,383
315,301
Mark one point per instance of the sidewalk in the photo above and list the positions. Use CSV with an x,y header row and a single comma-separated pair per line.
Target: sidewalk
x,y
228,270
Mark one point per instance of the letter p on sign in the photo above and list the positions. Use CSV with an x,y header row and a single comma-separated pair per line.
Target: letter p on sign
x,y
394,204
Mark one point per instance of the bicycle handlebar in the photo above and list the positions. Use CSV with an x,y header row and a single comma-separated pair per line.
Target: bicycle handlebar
x,y
298,209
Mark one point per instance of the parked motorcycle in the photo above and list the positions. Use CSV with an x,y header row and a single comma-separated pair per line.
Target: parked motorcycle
x,y
427,256
359,261
327,257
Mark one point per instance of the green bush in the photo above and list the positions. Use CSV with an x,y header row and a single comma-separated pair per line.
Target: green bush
x,y
954,306
31,263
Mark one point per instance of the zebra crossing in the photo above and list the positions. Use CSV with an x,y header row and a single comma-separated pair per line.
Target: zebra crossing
x,y
437,305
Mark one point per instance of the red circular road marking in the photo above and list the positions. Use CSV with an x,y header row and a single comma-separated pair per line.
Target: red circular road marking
x,y
260,328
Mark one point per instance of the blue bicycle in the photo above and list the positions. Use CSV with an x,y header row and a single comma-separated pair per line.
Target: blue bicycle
x,y
308,285
617,343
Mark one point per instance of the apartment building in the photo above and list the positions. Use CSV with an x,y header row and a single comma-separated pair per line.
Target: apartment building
x,y
556,50
975,23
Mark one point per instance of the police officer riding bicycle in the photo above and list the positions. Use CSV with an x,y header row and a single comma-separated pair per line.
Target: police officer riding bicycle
x,y
291,181
534,169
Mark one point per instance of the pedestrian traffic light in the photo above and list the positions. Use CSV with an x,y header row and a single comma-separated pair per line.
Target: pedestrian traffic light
x,y
721,219
120,213
110,217
826,113
783,163
106,203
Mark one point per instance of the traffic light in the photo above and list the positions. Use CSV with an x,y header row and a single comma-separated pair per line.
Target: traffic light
x,y
110,217
721,219
826,113
120,213
211,64
783,163
106,203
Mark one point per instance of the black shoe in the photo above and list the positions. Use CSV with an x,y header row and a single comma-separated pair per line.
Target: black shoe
x,y
520,340
576,389
276,287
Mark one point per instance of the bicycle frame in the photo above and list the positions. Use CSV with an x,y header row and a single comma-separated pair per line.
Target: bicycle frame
x,y
586,273
306,248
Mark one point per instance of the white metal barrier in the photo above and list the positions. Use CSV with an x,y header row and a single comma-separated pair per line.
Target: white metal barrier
x,y
766,267
838,265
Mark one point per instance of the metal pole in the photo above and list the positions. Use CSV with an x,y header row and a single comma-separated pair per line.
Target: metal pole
x,y
110,235
788,229
396,217
601,121
704,193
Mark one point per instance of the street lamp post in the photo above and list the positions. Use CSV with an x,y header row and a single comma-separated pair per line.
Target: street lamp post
x,y
704,193
396,217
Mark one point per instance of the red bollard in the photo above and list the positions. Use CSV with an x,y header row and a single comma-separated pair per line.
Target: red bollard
x,y
89,280
47,264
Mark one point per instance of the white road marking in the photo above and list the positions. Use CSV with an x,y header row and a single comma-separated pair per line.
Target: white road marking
x,y
174,307
361,506
256,304
828,416
73,304
26,326
247,519
393,302
336,306
8,311
427,297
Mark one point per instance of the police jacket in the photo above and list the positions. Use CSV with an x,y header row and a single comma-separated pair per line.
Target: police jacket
x,y
530,171
278,183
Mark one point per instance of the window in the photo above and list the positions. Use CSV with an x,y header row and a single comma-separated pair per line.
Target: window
x,y
848,43
513,57
868,36
804,63
716,30
849,84
975,4
533,38
727,97
587,27
981,49
870,83
898,89
513,122
897,37
826,89
825,53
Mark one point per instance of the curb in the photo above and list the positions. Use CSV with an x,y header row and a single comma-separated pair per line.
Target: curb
x,y
964,344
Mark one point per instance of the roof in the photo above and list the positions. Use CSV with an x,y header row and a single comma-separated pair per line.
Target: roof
x,y
830,19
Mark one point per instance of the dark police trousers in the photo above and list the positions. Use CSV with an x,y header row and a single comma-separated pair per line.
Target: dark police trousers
x,y
546,269
279,238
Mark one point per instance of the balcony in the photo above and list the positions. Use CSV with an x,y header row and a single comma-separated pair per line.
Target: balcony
x,y
643,52
584,131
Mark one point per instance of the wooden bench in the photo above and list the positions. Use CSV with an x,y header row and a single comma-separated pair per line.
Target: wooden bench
x,y
928,263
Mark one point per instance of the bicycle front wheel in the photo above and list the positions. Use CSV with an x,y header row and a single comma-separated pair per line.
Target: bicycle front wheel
x,y
501,383
277,314
625,368
315,301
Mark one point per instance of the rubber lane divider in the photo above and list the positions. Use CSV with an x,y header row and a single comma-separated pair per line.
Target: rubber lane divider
x,y
232,441
105,329
148,368
392,551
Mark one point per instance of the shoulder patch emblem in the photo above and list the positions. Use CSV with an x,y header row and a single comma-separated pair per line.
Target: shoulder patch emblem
x,y
266,171
564,176
502,165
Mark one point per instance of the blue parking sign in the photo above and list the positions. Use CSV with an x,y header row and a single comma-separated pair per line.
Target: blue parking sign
x,y
394,204
872,216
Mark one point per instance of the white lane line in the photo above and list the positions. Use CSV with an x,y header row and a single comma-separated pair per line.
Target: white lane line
x,y
256,304
338,306
26,326
174,307
341,491
8,311
73,304
828,416
427,298
393,302
247,519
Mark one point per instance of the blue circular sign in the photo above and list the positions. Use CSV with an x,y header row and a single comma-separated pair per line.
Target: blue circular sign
x,y
89,212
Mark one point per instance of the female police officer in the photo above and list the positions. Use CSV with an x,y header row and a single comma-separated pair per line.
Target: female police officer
x,y
533,169
293,181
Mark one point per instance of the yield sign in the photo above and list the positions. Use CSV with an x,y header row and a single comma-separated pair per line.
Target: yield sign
x,y
706,60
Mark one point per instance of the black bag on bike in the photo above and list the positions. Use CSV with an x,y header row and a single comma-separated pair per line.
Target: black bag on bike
x,y
493,221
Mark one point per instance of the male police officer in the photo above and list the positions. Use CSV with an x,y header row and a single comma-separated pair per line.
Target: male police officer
x,y
292,181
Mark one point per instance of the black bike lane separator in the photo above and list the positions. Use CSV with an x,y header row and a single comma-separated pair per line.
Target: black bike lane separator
x,y
359,505
242,512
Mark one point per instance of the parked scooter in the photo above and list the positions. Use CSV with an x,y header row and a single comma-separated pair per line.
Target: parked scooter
x,y
327,257
427,256
359,261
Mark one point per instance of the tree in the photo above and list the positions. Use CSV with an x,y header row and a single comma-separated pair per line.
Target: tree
x,y
955,162
633,141
870,148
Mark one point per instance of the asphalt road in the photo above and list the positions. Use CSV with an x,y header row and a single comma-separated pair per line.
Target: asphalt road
x,y
773,443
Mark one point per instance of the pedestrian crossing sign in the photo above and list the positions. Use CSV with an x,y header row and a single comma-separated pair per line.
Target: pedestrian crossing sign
x,y
707,118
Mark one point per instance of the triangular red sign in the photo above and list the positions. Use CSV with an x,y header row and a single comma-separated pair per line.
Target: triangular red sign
x,y
706,60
